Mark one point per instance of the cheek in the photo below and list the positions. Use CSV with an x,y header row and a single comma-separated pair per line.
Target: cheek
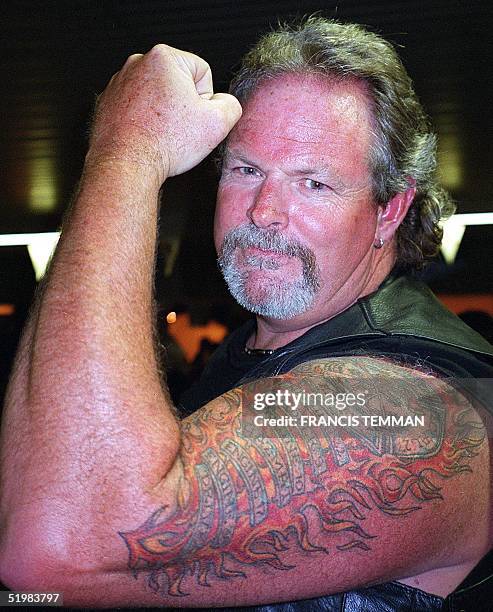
x,y
221,227
228,214
338,237
323,228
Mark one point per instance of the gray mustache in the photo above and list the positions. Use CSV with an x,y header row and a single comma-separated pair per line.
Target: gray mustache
x,y
283,300
246,236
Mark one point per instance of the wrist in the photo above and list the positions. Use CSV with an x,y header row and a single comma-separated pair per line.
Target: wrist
x,y
132,149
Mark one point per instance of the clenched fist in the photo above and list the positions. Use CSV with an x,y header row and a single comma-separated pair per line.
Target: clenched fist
x,y
160,110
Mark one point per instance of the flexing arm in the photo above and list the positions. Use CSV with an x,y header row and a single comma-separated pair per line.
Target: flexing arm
x,y
71,417
243,519
99,482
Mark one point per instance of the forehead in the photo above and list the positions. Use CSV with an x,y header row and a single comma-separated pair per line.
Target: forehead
x,y
293,116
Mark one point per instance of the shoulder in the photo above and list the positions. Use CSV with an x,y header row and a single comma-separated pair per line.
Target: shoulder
x,y
410,443
425,437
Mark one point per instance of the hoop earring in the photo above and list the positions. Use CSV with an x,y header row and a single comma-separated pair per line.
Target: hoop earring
x,y
379,244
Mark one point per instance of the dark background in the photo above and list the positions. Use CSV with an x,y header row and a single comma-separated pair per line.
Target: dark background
x,y
58,55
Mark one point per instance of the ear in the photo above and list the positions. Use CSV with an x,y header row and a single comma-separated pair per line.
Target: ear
x,y
392,214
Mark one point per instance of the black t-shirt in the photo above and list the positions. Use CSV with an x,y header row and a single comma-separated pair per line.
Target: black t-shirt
x,y
229,364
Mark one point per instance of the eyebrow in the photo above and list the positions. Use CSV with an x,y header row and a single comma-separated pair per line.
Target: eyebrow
x,y
320,170
228,154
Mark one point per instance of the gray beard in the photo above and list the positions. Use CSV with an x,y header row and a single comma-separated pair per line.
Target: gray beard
x,y
281,299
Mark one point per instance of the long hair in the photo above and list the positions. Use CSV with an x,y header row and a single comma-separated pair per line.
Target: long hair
x,y
403,148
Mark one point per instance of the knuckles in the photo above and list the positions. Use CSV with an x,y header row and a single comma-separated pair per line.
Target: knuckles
x,y
149,102
160,48
132,58
160,52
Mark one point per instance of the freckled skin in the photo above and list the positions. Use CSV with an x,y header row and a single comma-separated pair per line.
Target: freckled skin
x,y
290,125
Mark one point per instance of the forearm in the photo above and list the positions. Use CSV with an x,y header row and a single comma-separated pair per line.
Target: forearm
x,y
86,421
89,438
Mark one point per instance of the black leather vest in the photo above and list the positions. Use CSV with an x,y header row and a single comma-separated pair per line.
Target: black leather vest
x,y
402,320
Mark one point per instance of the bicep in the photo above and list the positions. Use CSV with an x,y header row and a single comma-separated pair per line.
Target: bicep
x,y
286,512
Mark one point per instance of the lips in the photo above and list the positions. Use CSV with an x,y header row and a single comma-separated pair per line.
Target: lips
x,y
251,250
263,259
256,253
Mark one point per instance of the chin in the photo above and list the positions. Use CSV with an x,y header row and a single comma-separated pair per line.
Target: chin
x,y
275,299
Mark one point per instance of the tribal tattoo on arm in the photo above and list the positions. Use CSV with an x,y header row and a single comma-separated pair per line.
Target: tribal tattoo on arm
x,y
246,501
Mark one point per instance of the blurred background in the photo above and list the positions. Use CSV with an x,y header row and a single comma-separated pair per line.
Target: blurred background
x,y
57,55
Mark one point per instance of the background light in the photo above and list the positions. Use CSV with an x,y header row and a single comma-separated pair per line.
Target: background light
x,y
454,228
39,246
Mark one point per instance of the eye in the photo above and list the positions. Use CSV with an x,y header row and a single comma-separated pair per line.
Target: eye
x,y
248,170
315,185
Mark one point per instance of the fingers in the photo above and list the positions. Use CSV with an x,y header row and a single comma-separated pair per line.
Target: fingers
x,y
132,58
204,85
198,69
167,95
229,108
194,67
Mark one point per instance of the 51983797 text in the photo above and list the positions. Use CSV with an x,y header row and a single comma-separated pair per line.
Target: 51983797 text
x,y
12,598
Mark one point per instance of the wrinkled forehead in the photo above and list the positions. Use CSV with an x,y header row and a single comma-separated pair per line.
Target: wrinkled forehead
x,y
314,104
294,113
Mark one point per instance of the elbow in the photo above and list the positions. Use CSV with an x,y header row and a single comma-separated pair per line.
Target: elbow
x,y
24,572
39,556
32,559
45,573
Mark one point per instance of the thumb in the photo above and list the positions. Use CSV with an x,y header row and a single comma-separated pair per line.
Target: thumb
x,y
229,108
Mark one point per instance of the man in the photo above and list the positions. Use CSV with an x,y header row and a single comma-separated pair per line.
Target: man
x,y
109,498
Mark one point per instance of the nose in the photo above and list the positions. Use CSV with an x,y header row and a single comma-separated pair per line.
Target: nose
x,y
268,210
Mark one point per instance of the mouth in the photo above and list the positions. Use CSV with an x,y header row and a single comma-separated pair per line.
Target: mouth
x,y
264,258
264,255
257,251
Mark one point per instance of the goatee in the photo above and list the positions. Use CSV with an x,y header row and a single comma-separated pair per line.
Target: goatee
x,y
277,299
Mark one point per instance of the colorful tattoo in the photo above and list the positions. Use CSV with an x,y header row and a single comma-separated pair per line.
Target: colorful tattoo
x,y
245,501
